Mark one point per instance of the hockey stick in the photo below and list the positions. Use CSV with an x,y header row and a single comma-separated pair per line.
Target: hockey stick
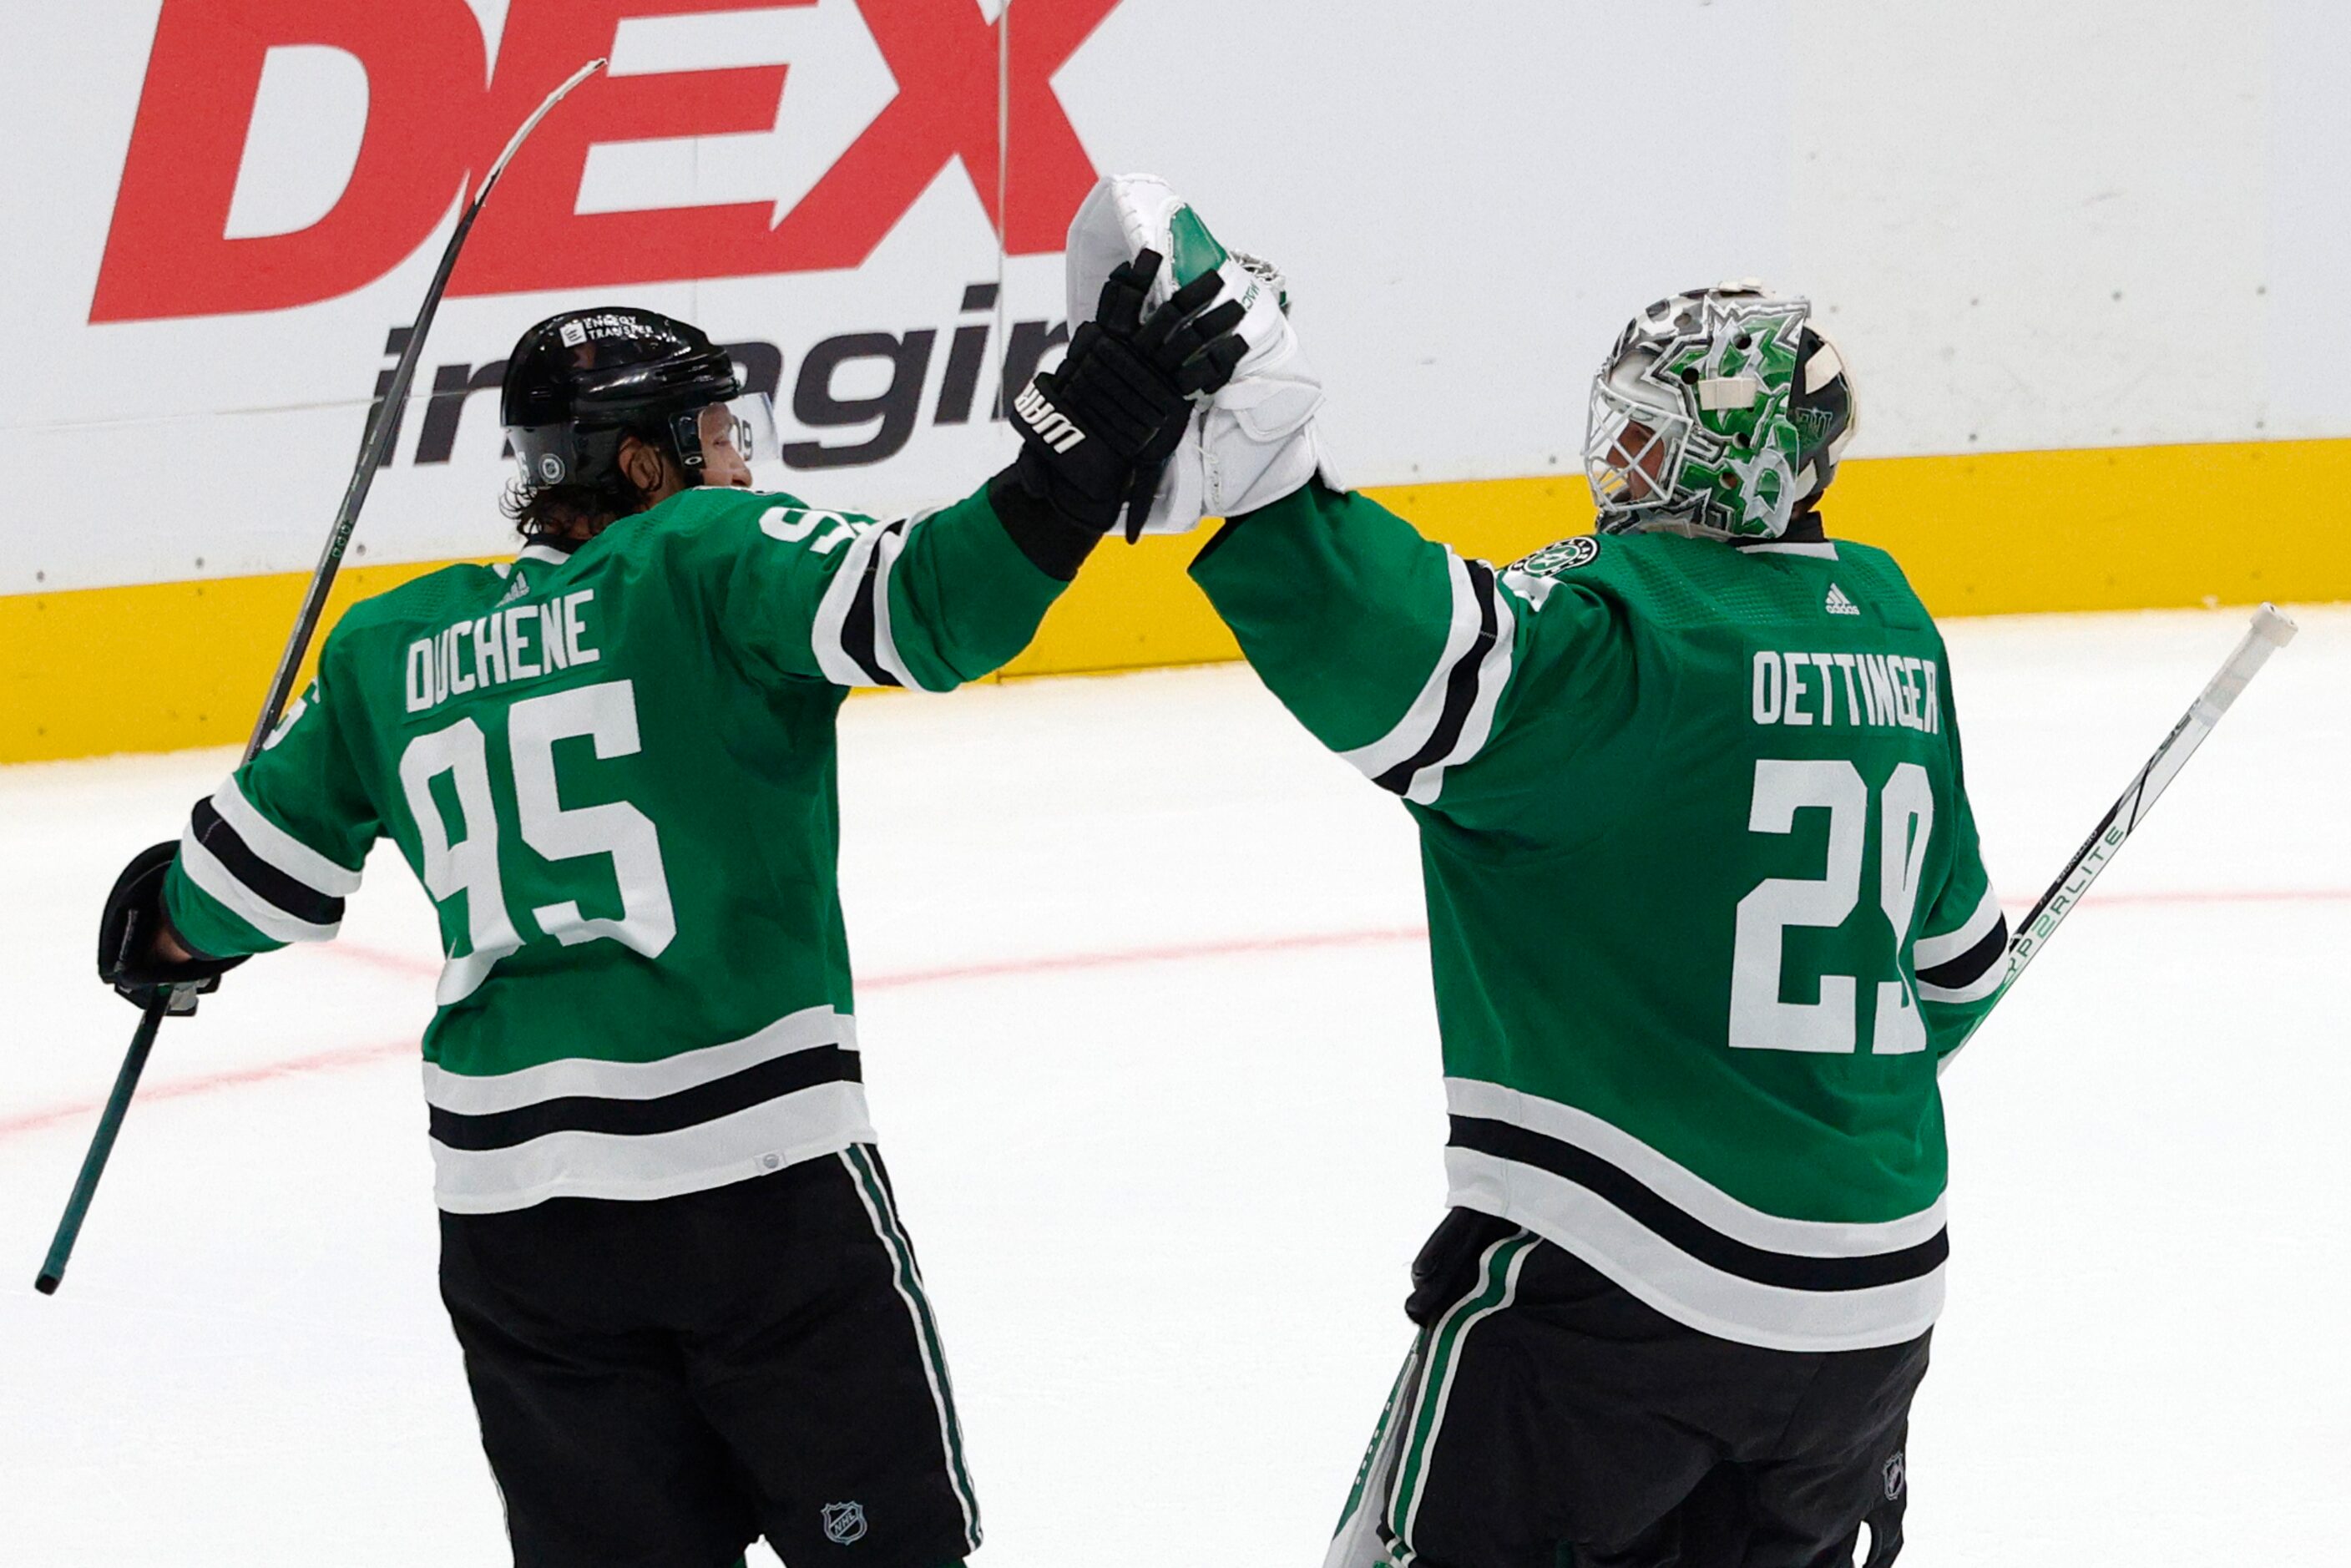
x,y
183,998
2269,631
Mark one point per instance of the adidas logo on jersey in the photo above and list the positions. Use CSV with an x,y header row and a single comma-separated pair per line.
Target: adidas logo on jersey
x,y
1839,604
1052,426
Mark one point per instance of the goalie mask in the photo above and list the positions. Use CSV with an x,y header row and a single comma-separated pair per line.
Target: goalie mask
x,y
577,383
1721,414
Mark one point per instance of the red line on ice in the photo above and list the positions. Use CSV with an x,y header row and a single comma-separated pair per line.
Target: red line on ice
x,y
180,1088
1043,964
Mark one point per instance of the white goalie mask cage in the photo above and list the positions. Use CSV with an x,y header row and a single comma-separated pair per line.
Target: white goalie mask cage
x,y
1633,440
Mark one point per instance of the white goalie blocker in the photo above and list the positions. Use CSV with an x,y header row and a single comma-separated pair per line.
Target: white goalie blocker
x,y
1255,441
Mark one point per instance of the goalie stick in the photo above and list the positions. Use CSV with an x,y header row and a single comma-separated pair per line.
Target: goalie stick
x,y
1357,1544
178,999
2269,631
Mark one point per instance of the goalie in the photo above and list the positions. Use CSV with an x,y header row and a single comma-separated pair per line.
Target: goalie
x,y
1706,910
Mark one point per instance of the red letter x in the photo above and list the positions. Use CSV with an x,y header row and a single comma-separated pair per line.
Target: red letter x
x,y
944,55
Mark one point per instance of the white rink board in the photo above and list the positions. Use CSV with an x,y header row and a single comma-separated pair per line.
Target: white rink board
x,y
1165,1186
2031,226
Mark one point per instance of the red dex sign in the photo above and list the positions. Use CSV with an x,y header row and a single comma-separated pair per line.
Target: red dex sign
x,y
434,125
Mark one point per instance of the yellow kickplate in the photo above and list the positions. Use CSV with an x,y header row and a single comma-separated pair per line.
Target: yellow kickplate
x,y
166,667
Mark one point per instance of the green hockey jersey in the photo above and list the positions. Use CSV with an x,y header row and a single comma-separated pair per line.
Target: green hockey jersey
x,y
613,771
1706,905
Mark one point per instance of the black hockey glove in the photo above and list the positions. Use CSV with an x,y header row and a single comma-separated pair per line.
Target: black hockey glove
x,y
134,915
1096,434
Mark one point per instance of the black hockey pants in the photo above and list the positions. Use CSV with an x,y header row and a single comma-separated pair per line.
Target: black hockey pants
x,y
661,1382
1550,1419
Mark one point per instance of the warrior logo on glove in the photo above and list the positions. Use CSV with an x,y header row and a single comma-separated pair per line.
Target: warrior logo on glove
x,y
1050,425
1128,382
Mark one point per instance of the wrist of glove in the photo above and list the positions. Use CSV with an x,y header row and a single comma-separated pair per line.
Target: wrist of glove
x,y
1096,432
129,957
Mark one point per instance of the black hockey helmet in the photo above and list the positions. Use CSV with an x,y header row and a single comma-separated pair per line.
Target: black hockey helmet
x,y
578,382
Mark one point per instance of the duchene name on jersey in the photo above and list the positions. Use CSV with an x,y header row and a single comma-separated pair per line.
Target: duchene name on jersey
x,y
639,998
1874,691
519,643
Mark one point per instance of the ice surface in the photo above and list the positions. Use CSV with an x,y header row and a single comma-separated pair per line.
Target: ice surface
x,y
1148,1037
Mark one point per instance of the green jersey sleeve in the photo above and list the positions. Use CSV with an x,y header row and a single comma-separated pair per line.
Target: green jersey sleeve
x,y
1961,955
799,592
1392,649
270,857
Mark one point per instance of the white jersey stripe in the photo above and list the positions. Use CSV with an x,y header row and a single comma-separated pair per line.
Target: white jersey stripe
x,y
1933,952
280,848
205,869
1685,1188
1975,990
1493,676
833,613
809,1123
888,542
1411,732
1680,1286
469,1095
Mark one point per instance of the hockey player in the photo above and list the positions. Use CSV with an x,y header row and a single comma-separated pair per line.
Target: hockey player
x,y
688,1308
1706,909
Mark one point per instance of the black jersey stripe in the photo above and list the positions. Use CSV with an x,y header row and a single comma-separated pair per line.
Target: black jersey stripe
x,y
1460,687
755,1085
1684,1231
857,627
1957,974
290,893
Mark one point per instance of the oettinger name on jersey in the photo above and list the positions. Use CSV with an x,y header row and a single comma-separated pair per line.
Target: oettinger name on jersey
x,y
1881,691
519,643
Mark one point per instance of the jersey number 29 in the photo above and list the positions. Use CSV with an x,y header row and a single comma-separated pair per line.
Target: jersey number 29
x,y
607,713
1759,1018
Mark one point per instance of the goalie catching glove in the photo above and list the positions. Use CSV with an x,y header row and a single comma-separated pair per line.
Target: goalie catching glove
x,y
1256,440
1096,433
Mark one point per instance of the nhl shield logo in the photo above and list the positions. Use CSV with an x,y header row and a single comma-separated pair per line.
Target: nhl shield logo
x,y
1894,1476
843,1522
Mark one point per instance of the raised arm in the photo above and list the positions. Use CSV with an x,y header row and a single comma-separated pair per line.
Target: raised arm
x,y
926,603
933,601
1393,651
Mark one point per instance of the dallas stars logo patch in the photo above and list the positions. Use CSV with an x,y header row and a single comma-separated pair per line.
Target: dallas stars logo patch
x,y
1564,556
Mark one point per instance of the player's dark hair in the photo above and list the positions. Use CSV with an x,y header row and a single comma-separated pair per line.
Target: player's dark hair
x,y
555,512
